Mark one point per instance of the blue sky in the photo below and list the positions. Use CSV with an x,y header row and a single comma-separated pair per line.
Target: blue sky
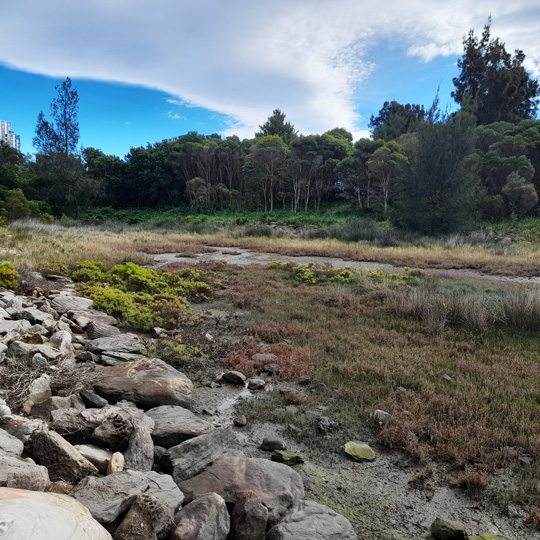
x,y
148,71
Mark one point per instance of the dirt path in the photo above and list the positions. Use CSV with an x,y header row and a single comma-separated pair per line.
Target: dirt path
x,y
245,257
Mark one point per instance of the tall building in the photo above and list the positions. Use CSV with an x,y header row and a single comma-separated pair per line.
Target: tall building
x,y
8,136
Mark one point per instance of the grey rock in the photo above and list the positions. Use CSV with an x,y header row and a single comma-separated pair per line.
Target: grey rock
x,y
139,455
264,357
62,460
113,358
234,377
46,308
96,455
256,384
91,399
309,520
27,351
72,425
147,519
273,443
127,343
445,530
193,456
86,356
174,425
10,444
39,389
14,326
116,429
38,362
36,316
62,341
96,330
89,316
16,472
272,369
21,427
248,518
240,421
279,487
65,303
112,495
147,383
203,519
44,409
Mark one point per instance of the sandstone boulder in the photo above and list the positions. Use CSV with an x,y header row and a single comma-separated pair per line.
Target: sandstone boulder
x,y
30,515
147,383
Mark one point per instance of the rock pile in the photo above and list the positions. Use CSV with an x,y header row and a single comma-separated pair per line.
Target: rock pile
x,y
105,445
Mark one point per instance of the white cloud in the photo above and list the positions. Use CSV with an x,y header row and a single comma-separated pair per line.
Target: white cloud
x,y
245,58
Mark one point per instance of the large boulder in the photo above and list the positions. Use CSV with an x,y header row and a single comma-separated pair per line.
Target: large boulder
x,y
309,520
248,518
147,383
203,519
174,425
277,486
16,472
63,461
30,515
191,457
112,495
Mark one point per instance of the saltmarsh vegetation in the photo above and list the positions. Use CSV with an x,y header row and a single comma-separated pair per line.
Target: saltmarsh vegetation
x,y
456,365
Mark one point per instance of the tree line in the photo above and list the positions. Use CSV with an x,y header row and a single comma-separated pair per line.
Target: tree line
x,y
425,169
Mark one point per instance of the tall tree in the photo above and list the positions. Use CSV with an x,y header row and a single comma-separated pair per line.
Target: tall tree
x,y
395,119
62,134
495,82
276,125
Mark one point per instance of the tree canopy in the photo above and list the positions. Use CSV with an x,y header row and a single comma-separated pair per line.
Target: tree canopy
x,y
276,125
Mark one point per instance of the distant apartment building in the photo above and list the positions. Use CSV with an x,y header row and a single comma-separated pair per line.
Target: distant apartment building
x,y
172,139
8,136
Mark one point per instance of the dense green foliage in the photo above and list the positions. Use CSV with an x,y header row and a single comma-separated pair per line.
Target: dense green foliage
x,y
142,298
9,277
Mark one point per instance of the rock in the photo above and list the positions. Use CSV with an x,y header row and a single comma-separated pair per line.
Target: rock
x,y
10,444
279,487
234,377
38,362
309,520
39,389
86,356
54,403
62,341
30,515
264,357
100,457
359,451
97,330
203,519
46,308
272,369
63,461
256,384
64,303
116,429
73,425
126,343
240,421
112,495
14,326
16,472
4,409
303,380
174,425
21,427
147,519
326,426
140,451
444,530
147,383
36,316
84,317
484,537
116,463
248,518
113,358
288,458
381,417
91,399
26,351
193,456
272,443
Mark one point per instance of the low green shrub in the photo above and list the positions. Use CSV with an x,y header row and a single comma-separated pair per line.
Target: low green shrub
x,y
9,277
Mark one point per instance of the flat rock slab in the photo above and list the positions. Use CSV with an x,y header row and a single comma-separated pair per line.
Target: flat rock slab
x,y
84,317
14,326
148,383
112,495
174,425
309,520
64,303
30,515
191,457
16,472
97,330
205,518
359,451
123,343
277,486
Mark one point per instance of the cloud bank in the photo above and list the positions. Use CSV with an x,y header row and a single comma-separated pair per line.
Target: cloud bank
x,y
244,58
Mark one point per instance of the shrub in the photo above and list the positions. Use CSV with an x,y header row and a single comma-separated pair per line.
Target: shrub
x,y
54,268
88,271
9,277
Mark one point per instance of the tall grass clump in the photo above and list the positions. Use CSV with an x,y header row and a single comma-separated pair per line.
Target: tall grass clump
x,y
521,310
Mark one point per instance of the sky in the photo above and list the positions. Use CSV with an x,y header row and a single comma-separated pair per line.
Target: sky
x,y
147,71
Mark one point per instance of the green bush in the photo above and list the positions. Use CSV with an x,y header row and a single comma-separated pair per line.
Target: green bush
x,y
9,277
88,271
